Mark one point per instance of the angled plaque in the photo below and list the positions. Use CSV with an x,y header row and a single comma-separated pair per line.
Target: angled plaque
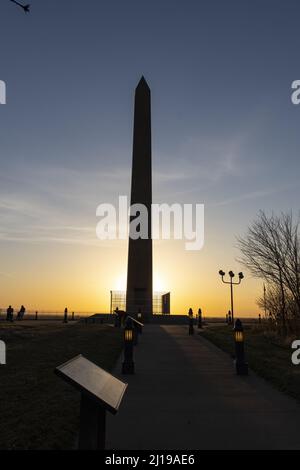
x,y
96,383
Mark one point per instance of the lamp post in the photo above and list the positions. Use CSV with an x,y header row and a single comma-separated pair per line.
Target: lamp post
x,y
231,276
191,322
199,318
265,301
240,363
128,364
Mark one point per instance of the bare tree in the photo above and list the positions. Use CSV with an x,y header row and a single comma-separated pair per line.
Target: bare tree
x,y
271,251
289,232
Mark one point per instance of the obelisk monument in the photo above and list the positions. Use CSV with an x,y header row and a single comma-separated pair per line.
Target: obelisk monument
x,y
139,273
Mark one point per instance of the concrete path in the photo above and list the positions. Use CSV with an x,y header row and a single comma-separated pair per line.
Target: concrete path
x,y
185,395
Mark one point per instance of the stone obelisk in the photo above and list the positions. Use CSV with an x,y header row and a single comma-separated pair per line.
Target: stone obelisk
x,y
139,273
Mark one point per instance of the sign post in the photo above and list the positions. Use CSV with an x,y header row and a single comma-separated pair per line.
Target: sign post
x,y
100,392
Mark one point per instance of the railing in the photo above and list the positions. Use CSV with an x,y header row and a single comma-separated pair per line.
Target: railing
x,y
137,325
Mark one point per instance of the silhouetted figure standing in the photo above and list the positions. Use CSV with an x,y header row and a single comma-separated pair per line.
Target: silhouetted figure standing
x,y
66,315
10,314
36,315
229,317
259,318
117,318
21,313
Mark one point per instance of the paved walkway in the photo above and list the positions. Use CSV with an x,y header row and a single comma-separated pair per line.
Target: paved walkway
x,y
185,395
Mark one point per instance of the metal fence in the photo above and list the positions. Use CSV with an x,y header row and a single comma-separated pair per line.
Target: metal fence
x,y
118,300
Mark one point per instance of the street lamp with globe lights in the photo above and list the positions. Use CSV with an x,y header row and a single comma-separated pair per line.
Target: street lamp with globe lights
x,y
231,275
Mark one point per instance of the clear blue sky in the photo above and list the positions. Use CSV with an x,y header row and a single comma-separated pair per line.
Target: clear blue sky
x,y
224,130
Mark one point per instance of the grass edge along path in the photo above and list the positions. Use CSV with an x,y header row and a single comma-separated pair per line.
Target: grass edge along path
x,y
266,357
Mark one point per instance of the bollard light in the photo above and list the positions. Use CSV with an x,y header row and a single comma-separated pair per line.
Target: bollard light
x,y
65,320
128,364
199,318
240,363
191,322
128,335
238,336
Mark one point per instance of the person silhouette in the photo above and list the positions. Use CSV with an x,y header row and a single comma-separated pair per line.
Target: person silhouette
x,y
10,314
117,318
21,313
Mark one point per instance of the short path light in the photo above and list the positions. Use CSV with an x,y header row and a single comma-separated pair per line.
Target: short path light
x,y
191,322
65,316
240,364
128,364
199,318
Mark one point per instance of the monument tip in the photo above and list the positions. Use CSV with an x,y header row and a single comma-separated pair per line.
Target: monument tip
x,y
143,83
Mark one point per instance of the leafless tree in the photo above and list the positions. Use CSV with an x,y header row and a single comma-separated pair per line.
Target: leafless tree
x,y
271,251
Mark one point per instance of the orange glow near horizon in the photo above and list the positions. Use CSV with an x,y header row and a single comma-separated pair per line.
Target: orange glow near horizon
x,y
81,278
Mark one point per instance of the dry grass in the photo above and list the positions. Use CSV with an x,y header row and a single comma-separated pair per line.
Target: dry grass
x,y
39,410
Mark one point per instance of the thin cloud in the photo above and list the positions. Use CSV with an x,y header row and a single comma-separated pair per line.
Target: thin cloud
x,y
255,195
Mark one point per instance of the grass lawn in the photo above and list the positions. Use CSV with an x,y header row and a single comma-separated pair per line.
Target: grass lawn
x,y
265,354
38,410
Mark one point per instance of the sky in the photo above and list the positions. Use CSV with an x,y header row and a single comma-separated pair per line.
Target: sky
x,y
224,133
